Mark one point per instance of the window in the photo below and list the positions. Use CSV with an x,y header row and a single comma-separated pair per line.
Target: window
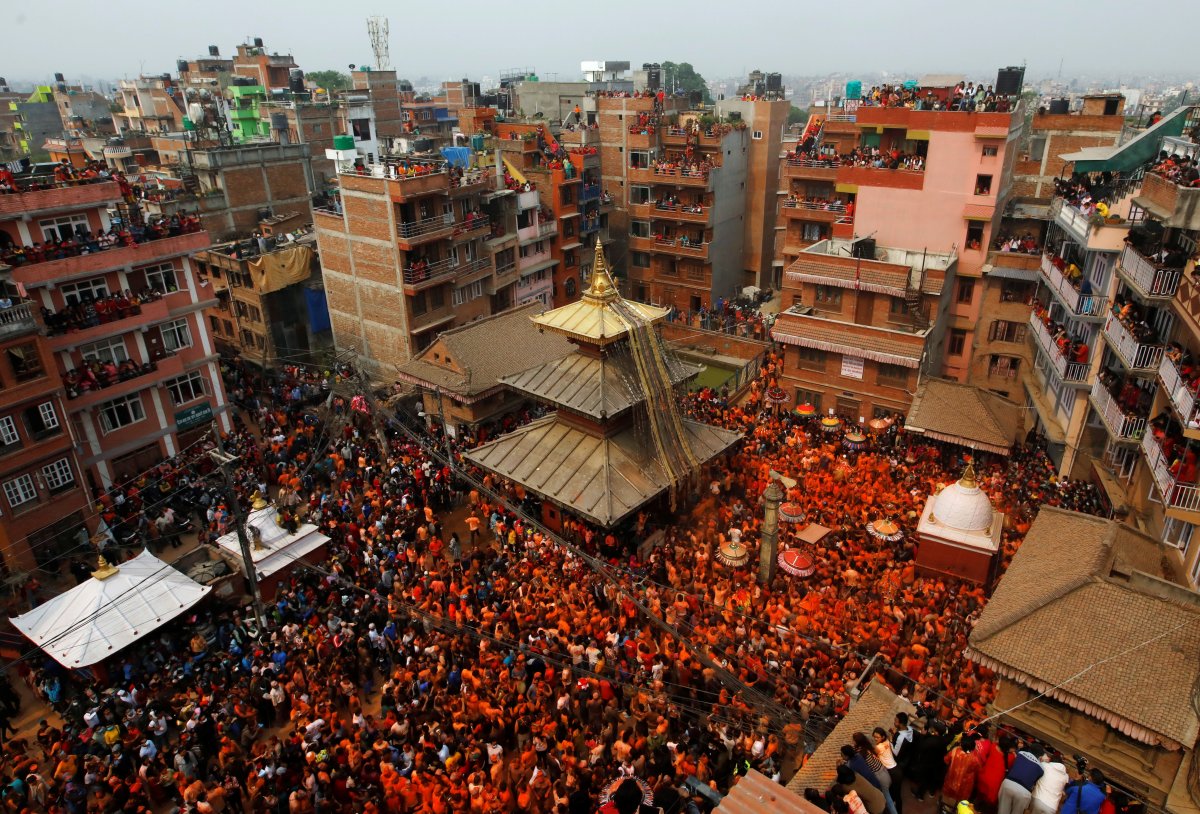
x,y
897,307
1003,331
892,375
956,342
120,412
585,271
975,235
695,272
161,277
106,350
639,260
966,291
990,151
93,289
214,325
19,490
570,259
63,228
361,129
756,135
437,298
810,359
808,397
58,475
1004,366
1037,148
25,362
829,297
568,195
8,432
227,326
811,232
419,303
881,412
983,185
188,387
247,338
468,292
570,286
41,420
176,335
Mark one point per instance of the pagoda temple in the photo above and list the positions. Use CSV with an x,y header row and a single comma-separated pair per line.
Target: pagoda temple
x,y
617,440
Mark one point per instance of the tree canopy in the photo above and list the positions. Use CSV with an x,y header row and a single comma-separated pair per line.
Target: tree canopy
x,y
330,80
681,76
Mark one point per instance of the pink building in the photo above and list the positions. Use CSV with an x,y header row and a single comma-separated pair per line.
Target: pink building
x,y
124,325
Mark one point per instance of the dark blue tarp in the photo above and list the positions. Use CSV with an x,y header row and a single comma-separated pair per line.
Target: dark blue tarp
x,y
318,310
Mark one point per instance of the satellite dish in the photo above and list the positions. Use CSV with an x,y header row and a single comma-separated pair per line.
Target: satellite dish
x,y
197,113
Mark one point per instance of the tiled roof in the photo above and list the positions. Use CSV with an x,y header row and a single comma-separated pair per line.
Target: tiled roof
x,y
965,415
876,707
601,478
590,385
1072,619
755,793
486,350
836,337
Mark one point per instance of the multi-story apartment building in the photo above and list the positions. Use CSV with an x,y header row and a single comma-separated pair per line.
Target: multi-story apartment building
x,y
38,466
925,186
151,104
404,253
124,326
270,70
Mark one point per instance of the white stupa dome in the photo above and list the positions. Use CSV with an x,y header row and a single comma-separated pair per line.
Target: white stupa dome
x,y
963,505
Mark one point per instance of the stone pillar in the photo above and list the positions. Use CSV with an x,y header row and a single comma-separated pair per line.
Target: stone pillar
x,y
768,547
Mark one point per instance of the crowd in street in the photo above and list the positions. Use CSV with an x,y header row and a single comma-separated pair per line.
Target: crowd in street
x,y
489,668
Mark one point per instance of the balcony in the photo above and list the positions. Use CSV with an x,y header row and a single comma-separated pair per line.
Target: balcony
x,y
58,271
1180,500
671,176
812,211
674,137
881,177
431,318
676,212
1016,265
1149,280
518,145
804,168
676,247
58,199
640,140
843,228
1122,427
16,320
506,268
547,229
1074,374
416,279
1083,306
1182,398
589,192
147,313
528,200
414,233
1137,357
398,188
472,227
1091,232
1175,206
166,368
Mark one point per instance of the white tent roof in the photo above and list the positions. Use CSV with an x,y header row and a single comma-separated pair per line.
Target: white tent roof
x,y
94,620
279,548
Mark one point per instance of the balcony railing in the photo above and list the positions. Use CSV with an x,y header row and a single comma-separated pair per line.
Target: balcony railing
x,y
430,273
832,206
693,248
1136,356
1181,395
1175,495
1067,370
548,228
418,228
589,192
1149,279
505,268
1086,306
17,319
57,271
1073,221
58,197
1121,426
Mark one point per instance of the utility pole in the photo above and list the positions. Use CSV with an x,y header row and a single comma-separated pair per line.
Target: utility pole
x,y
224,462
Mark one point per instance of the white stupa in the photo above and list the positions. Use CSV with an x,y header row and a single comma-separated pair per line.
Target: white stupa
x,y
959,532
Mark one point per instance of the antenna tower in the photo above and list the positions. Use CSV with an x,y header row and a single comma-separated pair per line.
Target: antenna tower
x,y
377,29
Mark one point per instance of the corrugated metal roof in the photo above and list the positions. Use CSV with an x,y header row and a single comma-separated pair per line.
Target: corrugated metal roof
x,y
755,793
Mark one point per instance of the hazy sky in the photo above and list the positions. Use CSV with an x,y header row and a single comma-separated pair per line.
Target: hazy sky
x,y
444,40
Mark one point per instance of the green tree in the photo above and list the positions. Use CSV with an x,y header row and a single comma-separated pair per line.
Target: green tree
x,y
797,115
681,76
330,80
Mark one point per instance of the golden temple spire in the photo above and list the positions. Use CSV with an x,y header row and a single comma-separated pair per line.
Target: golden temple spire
x,y
103,569
601,285
967,481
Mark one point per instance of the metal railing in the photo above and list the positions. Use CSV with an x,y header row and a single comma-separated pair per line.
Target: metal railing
x,y
1067,370
812,205
1181,395
1175,495
1135,355
589,192
433,271
1150,279
505,268
416,228
1081,305
1120,424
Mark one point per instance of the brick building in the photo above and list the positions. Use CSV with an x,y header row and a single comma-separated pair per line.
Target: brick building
x,y
1053,135
270,70
38,465
406,255
164,387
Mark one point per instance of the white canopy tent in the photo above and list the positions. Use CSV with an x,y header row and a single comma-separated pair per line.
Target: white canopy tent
x,y
116,607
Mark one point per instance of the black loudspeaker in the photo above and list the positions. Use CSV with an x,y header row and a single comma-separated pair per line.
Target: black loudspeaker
x,y
1009,81
865,248
774,82
1060,106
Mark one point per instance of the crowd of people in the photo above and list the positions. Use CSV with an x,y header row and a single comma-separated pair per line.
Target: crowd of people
x,y
64,174
489,667
1072,347
1179,169
965,96
83,241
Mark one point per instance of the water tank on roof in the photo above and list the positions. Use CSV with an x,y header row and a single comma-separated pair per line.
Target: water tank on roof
x,y
774,82
343,142
854,90
1060,106
477,142
296,80
279,121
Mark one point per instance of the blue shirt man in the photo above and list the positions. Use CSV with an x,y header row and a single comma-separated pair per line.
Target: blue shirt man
x,y
1085,795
